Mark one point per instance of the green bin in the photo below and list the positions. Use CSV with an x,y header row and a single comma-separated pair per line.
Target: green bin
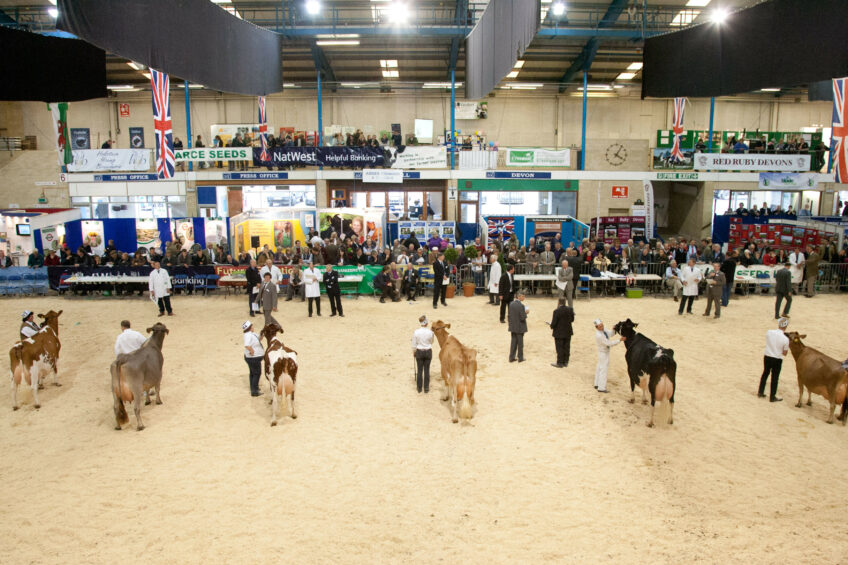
x,y
633,293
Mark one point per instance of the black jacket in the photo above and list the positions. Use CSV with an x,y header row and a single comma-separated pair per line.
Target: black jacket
x,y
411,240
253,278
380,281
728,267
561,322
505,287
331,282
438,273
783,281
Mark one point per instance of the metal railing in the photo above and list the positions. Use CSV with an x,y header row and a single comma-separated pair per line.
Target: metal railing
x,y
10,144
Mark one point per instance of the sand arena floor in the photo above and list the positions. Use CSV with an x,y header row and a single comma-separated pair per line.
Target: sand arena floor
x,y
371,472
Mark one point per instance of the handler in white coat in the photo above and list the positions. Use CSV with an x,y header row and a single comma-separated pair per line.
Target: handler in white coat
x,y
160,288
494,279
690,276
312,278
602,339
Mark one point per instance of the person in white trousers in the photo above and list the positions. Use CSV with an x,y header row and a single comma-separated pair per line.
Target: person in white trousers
x,y
602,338
494,280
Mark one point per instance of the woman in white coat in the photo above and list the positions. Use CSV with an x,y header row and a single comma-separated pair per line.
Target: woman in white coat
x,y
494,279
312,284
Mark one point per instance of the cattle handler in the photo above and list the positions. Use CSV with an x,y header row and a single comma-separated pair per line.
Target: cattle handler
x,y
28,327
777,346
253,355
602,339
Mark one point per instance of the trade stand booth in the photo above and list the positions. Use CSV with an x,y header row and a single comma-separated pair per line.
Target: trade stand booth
x,y
536,226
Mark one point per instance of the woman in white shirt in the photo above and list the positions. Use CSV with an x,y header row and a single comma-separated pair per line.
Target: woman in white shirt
x,y
253,354
422,352
494,279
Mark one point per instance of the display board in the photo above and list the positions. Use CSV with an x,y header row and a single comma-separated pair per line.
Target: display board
x,y
357,223
621,228
423,230
147,233
774,235
92,234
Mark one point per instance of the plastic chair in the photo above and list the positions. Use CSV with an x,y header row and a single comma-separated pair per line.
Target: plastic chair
x,y
584,279
766,286
211,283
4,282
15,285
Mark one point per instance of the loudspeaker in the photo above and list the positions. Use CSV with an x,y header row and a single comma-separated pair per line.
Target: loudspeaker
x,y
254,241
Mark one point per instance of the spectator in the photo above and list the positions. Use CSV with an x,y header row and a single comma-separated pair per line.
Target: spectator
x,y
178,146
740,147
52,259
6,262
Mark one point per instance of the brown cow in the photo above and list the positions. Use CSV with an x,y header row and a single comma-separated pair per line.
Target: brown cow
x,y
32,358
459,371
821,374
282,362
133,374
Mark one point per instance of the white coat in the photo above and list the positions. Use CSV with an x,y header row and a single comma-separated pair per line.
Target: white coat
x,y
690,277
311,282
159,283
494,277
604,343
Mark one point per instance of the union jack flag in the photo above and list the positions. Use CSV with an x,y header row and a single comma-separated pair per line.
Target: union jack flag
x,y
165,158
839,136
263,129
503,226
677,127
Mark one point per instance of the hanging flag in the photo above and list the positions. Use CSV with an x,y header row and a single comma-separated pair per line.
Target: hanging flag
x,y
677,127
63,140
263,129
839,135
165,158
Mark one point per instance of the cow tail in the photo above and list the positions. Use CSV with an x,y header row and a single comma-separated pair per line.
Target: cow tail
x,y
121,416
465,410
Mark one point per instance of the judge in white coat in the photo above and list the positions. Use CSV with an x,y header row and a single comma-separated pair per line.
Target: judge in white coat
x,y
160,288
798,260
312,278
602,339
690,276
494,279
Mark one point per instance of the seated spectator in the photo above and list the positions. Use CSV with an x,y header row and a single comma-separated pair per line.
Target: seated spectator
x,y
52,259
295,286
770,258
419,258
82,259
409,285
671,279
35,259
6,262
601,263
740,147
199,259
384,284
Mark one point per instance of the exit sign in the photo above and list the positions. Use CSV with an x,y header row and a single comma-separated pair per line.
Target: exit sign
x,y
124,109
619,192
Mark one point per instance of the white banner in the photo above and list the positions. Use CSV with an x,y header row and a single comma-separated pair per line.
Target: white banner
x,y
51,238
471,110
537,158
216,231
183,231
754,270
215,154
419,158
383,175
478,160
92,234
649,209
96,160
751,162
788,181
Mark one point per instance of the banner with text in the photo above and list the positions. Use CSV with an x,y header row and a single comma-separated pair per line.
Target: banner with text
x,y
537,158
471,110
214,154
96,160
404,157
419,157
751,162
756,271
788,181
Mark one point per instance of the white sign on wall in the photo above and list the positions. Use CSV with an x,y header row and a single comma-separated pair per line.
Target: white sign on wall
x,y
96,160
751,162
418,157
537,158
383,175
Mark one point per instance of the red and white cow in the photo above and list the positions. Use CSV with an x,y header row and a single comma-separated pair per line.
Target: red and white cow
x,y
280,370
34,357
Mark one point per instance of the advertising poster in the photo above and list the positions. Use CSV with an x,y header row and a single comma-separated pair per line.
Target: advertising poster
x,y
80,138
264,230
434,227
662,159
404,230
449,231
283,234
183,231
471,110
92,234
137,138
52,238
546,230
345,225
147,233
216,231
620,228
420,230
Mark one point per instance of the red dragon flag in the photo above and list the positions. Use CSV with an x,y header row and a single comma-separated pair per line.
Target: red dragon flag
x,y
677,127
839,136
165,158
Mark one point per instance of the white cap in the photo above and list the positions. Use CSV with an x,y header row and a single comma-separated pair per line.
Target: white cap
x,y
425,321
26,314
783,322
245,326
435,248
597,322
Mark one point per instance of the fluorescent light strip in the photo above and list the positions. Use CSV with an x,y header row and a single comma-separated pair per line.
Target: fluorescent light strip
x,y
513,74
337,35
332,42
440,84
596,87
121,87
697,3
635,66
518,64
769,90
625,76
135,66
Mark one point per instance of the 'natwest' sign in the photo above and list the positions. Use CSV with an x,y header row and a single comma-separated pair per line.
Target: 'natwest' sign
x,y
751,162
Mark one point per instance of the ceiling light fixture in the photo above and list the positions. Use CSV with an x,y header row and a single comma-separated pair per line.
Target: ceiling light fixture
x,y
513,74
120,87
146,75
439,84
390,74
697,3
719,15
625,76
518,64
52,2
337,36
331,42
313,7
388,63
596,87
558,9
54,13
769,90
398,12
135,66
635,67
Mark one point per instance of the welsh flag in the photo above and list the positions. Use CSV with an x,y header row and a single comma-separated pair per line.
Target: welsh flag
x,y
63,140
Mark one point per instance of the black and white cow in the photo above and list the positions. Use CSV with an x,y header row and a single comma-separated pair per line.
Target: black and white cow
x,y
650,366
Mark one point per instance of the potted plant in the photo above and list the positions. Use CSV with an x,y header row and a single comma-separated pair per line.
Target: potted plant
x,y
450,257
469,286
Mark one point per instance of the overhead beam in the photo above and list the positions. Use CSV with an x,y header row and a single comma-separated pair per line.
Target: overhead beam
x,y
584,61
460,32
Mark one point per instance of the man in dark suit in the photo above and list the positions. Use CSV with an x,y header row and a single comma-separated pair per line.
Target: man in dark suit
x,y
505,290
562,331
783,289
439,286
253,283
410,282
334,293
517,328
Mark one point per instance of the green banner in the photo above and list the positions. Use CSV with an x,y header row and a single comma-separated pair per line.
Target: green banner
x,y
367,272
515,185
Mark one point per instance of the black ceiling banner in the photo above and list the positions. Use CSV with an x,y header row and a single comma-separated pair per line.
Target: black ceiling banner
x,y
194,40
778,43
50,69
